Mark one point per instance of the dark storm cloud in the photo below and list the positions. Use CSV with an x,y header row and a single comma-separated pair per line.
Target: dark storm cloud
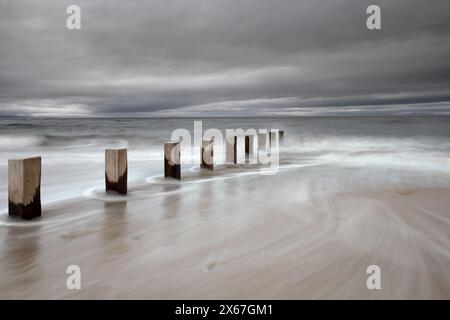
x,y
196,57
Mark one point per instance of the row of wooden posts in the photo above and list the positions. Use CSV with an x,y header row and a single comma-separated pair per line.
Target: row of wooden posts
x,y
24,175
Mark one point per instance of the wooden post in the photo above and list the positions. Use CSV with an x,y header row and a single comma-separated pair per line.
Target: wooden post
x,y
249,147
281,136
116,170
207,154
229,150
249,144
262,141
272,136
235,149
24,188
172,158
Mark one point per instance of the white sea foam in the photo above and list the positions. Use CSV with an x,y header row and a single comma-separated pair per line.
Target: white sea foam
x,y
14,142
424,154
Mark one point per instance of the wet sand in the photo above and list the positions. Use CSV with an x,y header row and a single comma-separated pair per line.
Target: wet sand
x,y
297,234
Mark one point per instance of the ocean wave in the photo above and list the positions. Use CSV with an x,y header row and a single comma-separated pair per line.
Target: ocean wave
x,y
327,143
14,141
45,141
418,153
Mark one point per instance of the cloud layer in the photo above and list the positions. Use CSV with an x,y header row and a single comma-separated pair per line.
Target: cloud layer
x,y
224,57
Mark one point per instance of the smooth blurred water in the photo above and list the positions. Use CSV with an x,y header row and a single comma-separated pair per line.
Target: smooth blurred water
x,y
72,149
349,192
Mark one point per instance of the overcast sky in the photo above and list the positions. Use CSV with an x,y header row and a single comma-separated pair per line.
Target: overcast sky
x,y
224,57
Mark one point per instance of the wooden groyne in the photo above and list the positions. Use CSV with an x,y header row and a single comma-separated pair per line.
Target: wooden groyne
x,y
116,170
172,160
24,175
24,188
207,154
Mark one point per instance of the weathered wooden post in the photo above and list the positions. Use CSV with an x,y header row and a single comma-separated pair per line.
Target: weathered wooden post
x,y
249,147
262,141
172,160
230,149
235,150
207,154
116,170
272,136
24,188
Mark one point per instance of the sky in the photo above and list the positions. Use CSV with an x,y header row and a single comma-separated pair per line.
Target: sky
x,y
224,58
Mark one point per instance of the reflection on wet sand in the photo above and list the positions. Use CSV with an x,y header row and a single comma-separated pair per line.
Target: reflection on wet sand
x,y
21,255
114,230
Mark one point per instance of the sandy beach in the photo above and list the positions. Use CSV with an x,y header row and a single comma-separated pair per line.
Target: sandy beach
x,y
301,234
